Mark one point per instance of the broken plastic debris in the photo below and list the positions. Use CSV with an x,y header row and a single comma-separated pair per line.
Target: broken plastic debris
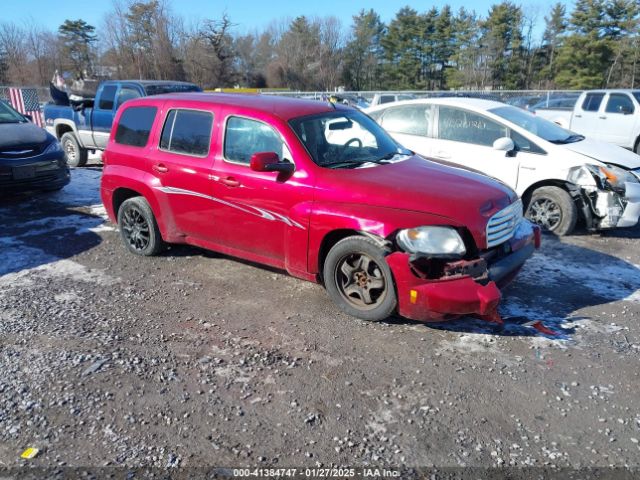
x,y
29,453
94,367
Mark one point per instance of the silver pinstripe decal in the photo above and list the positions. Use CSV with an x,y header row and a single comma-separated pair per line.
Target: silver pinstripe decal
x,y
259,212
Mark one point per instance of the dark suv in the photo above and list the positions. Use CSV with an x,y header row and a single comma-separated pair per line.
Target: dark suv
x,y
30,158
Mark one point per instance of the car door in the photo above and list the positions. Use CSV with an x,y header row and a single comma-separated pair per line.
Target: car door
x,y
466,138
410,126
617,122
102,115
182,166
257,208
585,116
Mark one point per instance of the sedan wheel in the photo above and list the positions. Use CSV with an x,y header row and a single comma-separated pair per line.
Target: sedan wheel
x,y
546,213
359,280
138,227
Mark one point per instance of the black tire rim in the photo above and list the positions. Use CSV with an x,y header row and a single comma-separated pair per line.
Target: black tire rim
x,y
546,213
360,281
70,150
135,229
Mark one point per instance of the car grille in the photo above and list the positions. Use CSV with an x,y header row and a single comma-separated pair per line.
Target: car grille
x,y
501,226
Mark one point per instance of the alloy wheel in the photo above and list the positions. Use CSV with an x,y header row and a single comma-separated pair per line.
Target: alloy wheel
x,y
360,281
70,150
545,212
135,228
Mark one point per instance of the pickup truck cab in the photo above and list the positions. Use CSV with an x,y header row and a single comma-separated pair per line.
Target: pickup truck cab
x,y
611,116
258,177
88,128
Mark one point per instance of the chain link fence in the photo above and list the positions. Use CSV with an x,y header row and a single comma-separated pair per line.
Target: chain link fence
x,y
561,99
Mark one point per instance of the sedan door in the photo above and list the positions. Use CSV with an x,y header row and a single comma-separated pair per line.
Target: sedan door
x,y
617,123
258,209
182,167
466,138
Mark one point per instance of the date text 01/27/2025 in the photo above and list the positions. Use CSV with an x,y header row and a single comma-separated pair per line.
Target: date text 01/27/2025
x,y
315,473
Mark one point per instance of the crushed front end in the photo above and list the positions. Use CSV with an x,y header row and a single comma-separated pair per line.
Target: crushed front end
x,y
609,196
437,287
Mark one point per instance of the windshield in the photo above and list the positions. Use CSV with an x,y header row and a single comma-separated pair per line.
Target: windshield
x,y
9,115
544,129
171,88
346,139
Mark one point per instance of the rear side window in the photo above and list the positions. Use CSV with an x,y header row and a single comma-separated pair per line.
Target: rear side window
x,y
187,132
468,127
135,125
619,103
592,102
127,93
408,119
244,137
107,97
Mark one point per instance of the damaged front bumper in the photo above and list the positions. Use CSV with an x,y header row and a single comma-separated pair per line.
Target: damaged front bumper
x,y
617,210
465,287
605,205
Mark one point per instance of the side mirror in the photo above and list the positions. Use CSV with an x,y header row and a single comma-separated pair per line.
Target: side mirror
x,y
504,144
269,162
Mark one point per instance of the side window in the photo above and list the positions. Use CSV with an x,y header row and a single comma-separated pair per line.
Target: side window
x,y
592,101
244,137
409,119
376,115
187,132
107,97
126,93
468,127
387,99
619,103
524,144
135,125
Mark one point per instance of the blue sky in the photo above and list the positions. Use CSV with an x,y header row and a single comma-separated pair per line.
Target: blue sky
x,y
246,14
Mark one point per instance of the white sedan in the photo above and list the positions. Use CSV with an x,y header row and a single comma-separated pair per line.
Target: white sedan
x,y
561,176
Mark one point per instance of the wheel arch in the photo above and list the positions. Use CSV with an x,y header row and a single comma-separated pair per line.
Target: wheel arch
x,y
526,195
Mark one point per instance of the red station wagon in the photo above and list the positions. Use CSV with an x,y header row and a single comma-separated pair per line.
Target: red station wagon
x,y
321,191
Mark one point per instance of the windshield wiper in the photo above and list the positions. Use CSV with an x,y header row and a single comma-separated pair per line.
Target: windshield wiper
x,y
569,139
347,163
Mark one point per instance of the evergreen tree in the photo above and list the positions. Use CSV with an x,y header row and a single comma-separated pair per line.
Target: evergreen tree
x,y
78,38
363,52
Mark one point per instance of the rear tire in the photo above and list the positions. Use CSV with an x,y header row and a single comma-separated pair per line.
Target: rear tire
x,y
76,155
359,280
138,227
553,209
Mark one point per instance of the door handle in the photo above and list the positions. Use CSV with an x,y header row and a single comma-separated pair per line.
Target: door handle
x,y
442,155
160,168
230,182
603,117
578,116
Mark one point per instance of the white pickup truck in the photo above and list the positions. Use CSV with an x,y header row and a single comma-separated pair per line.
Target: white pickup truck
x,y
611,116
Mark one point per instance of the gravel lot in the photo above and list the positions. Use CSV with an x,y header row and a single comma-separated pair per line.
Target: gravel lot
x,y
195,359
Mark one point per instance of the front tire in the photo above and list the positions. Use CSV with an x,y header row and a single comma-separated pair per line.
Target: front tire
x,y
138,227
359,280
76,155
553,209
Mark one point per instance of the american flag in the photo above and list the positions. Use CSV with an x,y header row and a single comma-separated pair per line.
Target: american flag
x,y
25,100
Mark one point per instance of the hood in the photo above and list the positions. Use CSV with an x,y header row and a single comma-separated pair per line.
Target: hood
x,y
605,153
14,136
465,198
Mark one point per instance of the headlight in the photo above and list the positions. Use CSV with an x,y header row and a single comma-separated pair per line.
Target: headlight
x,y
53,147
431,241
597,176
617,176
